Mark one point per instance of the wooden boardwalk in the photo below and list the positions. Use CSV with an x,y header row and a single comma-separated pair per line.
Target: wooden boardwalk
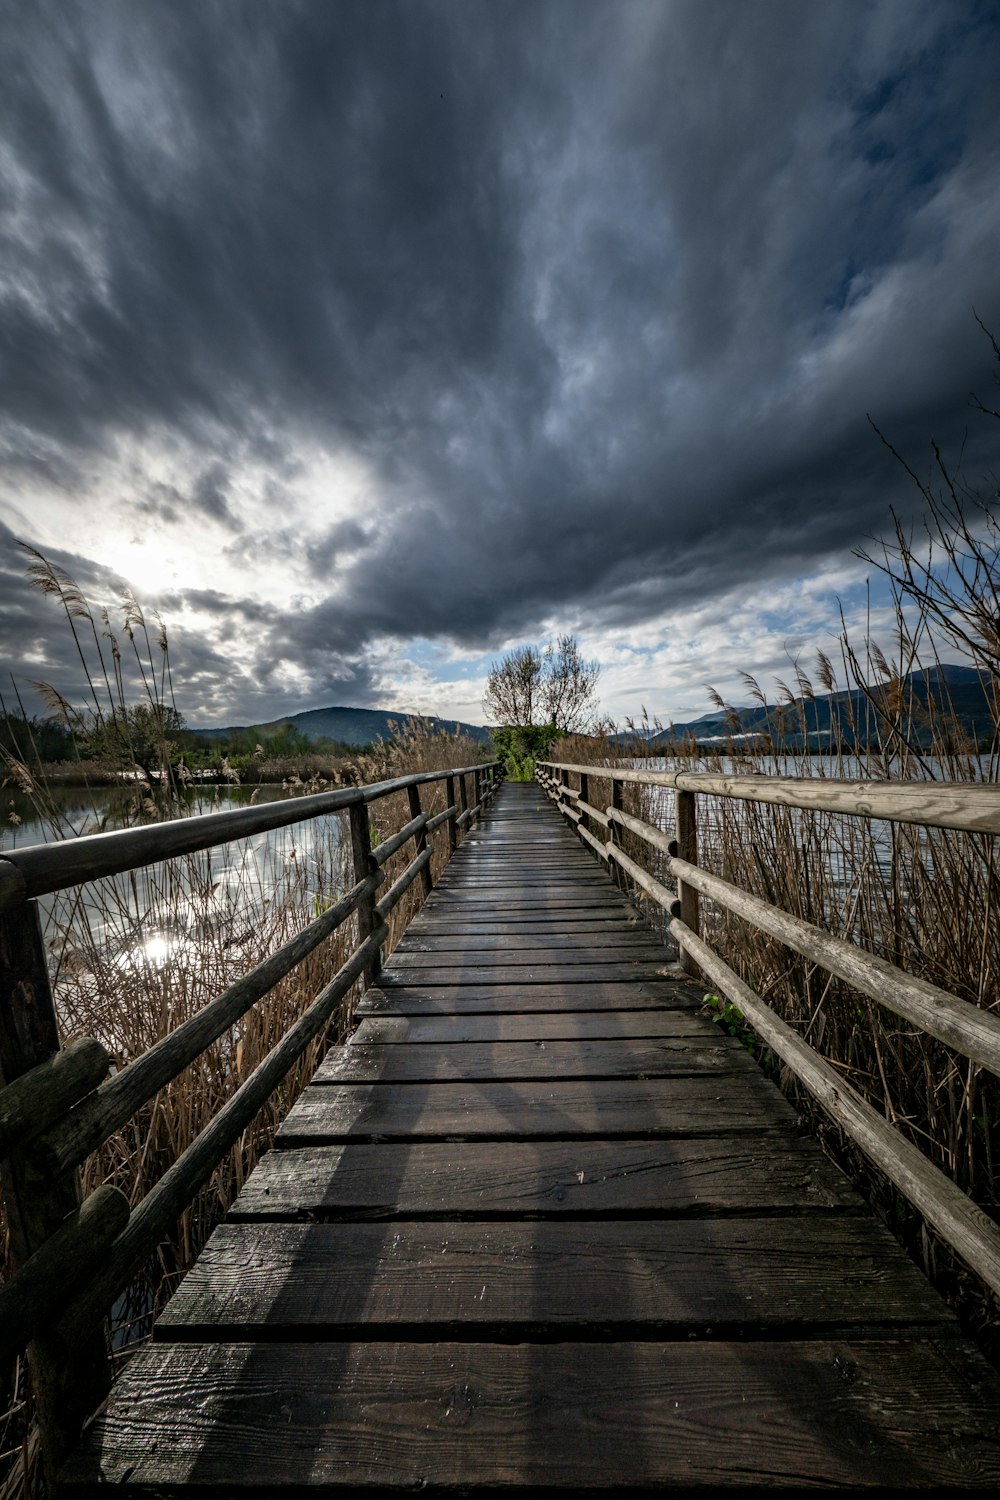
x,y
540,1225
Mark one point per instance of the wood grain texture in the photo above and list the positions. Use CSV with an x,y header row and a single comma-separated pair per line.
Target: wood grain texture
x,y
476,1111
705,1053
541,972
625,949
418,997
444,1030
722,1278
453,947
931,804
727,1173
545,1417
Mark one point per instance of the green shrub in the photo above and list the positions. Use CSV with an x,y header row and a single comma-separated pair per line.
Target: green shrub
x,y
520,745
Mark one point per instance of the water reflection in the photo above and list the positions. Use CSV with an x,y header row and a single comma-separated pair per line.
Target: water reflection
x,y
187,925
72,811
842,867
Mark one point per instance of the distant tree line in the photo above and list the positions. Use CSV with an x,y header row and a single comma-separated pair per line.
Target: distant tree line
x,y
152,738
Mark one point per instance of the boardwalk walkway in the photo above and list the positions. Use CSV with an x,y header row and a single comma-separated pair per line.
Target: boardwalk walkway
x,y
541,1225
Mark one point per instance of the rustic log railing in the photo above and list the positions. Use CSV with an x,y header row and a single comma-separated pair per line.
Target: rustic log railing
x,y
73,1257
962,1026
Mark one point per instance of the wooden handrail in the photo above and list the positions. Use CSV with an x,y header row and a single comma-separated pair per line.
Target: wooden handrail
x,y
970,807
54,1109
87,1126
973,1032
960,1025
956,1218
38,869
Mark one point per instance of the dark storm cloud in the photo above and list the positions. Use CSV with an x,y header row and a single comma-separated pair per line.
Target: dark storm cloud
x,y
346,538
39,642
600,293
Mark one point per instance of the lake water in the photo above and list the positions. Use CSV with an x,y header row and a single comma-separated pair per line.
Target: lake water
x,y
839,864
170,916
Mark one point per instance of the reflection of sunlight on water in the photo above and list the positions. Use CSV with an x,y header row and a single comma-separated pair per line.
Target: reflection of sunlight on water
x,y
193,920
156,951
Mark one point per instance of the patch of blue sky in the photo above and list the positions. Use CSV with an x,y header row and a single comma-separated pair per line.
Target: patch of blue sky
x,y
443,662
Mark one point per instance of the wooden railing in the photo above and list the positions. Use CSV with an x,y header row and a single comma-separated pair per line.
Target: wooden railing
x,y
962,1026
73,1257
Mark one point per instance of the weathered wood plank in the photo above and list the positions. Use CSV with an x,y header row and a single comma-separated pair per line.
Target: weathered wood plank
x,y
540,1179
622,949
445,1030
545,1416
417,997
526,974
516,901
443,946
706,1054
676,1279
572,922
476,1111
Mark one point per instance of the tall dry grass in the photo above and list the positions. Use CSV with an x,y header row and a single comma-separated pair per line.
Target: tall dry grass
x,y
133,956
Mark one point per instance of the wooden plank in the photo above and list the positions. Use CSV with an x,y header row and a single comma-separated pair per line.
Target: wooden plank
x,y
707,1053
525,974
547,901
563,864
560,943
591,879
517,903
478,1111
528,857
417,997
454,1416
623,948
725,1173
676,1279
445,1030
577,921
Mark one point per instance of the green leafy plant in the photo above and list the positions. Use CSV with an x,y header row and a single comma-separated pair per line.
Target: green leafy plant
x,y
520,745
732,1021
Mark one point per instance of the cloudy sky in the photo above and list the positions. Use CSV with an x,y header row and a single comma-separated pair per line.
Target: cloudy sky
x,y
368,340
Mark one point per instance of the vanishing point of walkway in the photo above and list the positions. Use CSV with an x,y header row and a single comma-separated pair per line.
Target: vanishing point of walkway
x,y
540,1225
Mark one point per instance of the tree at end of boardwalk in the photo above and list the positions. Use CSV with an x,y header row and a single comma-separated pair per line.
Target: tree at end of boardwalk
x,y
553,686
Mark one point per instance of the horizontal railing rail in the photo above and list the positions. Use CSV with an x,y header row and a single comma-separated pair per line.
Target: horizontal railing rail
x,y
43,868
74,1257
966,1028
970,807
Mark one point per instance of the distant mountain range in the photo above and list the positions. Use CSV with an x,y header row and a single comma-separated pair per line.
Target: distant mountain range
x,y
827,713
947,688
353,726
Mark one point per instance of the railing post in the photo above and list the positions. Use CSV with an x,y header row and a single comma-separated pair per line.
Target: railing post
x,y
463,792
614,834
420,838
585,797
69,1384
364,865
477,784
686,833
449,793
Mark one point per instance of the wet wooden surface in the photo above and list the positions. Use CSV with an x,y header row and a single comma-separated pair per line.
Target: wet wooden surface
x,y
539,1225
